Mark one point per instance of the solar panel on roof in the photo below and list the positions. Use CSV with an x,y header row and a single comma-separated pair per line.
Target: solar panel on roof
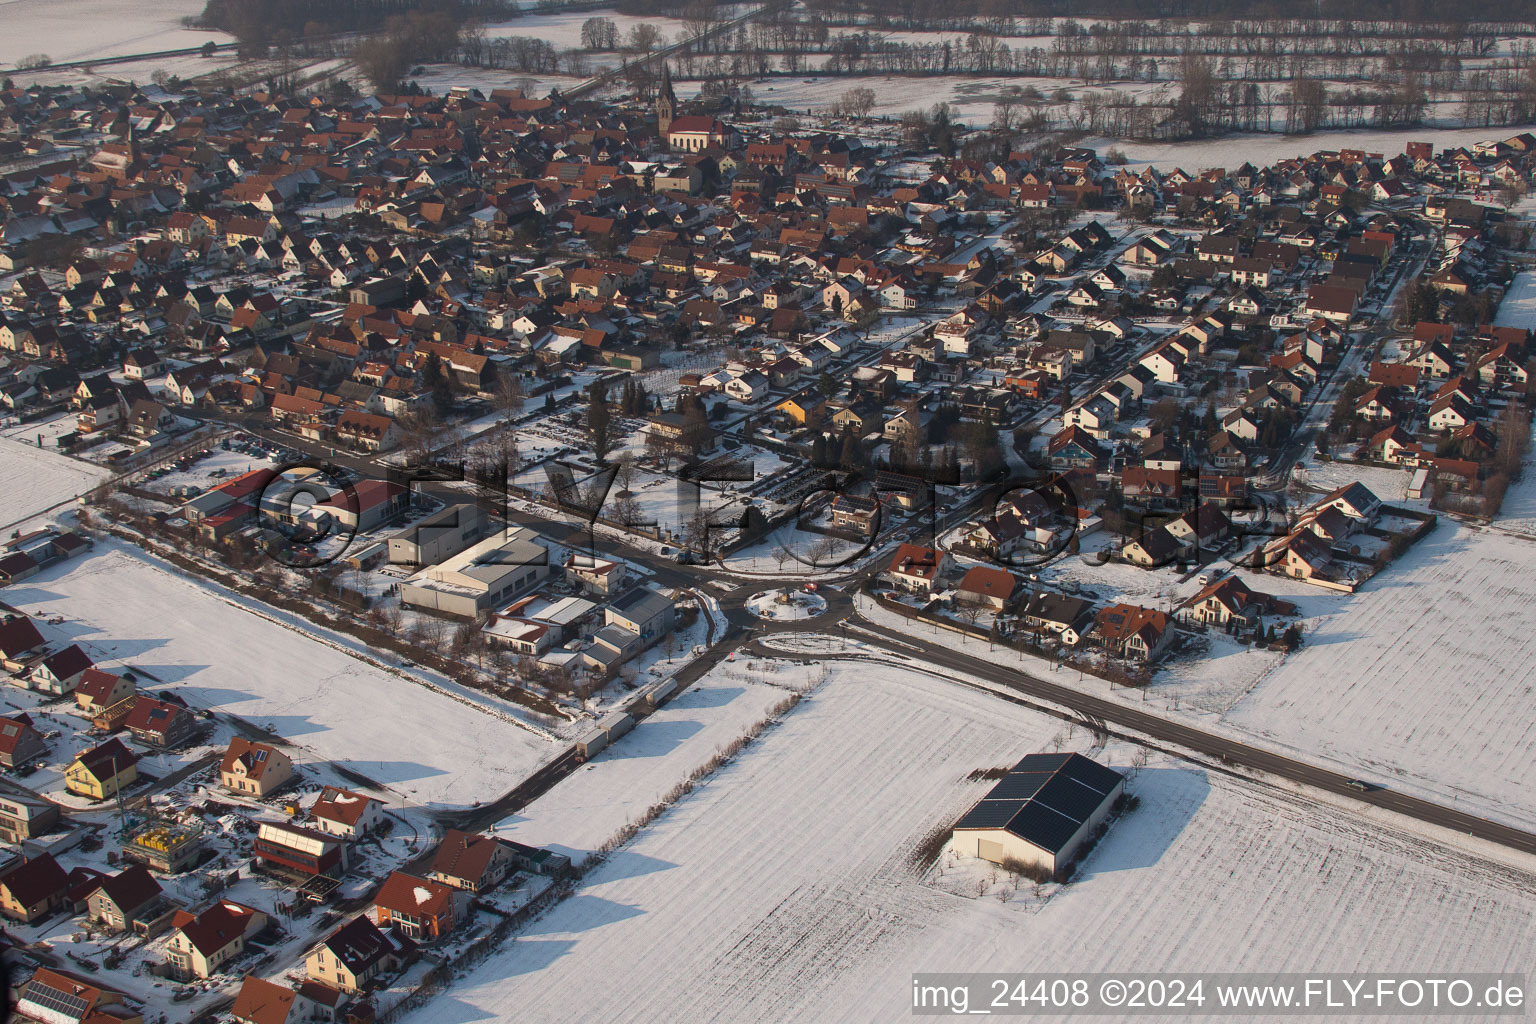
x,y
989,814
55,999
1043,826
1069,798
1041,762
1018,785
1045,798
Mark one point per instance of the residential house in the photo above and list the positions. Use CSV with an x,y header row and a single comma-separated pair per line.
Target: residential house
x,y
20,741
418,908
98,690
158,723
1134,633
31,888
56,997
354,955
987,587
254,769
59,672
201,944
126,898
917,568
471,862
102,771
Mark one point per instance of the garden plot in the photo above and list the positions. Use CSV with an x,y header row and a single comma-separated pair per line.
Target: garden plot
x,y
50,430
784,887
440,744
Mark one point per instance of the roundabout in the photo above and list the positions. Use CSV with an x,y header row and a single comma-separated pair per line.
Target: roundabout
x,y
786,605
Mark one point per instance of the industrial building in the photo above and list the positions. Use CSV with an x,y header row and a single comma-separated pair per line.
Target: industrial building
x,y
505,564
440,536
1040,813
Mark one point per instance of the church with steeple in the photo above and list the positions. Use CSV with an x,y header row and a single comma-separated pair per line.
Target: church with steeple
x,y
666,103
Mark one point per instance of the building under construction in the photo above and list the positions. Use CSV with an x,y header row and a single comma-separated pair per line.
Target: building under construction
x,y
164,845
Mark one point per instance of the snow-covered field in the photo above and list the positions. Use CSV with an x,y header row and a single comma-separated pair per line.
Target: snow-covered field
x,y
1519,306
638,770
1424,676
442,746
1264,149
1390,485
34,479
783,887
1421,680
69,30
1518,514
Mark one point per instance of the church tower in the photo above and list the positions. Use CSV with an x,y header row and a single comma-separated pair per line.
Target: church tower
x,y
666,103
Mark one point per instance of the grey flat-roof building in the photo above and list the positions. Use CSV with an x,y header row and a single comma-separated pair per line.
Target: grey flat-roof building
x,y
440,536
642,611
478,579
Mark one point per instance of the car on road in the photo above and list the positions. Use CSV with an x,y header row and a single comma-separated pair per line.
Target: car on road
x,y
1359,786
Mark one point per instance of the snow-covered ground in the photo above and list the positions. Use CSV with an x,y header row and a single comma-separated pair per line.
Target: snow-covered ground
x,y
1519,306
616,788
442,745
1518,515
784,888
786,604
69,30
34,479
1265,149
1388,484
1420,680
1424,677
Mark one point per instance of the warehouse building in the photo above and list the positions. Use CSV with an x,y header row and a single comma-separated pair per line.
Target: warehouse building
x,y
1041,812
440,536
478,579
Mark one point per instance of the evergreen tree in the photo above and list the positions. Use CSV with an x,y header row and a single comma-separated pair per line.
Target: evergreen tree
x,y
599,420
438,384
852,454
819,451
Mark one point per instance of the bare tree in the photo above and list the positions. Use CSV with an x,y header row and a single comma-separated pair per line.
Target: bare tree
x,y
857,102
645,37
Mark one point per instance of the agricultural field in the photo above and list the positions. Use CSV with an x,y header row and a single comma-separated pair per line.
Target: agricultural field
x,y
71,30
785,886
639,771
1432,693
38,478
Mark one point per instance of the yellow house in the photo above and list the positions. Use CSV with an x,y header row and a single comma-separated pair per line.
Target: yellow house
x,y
254,769
352,956
803,411
100,772
202,943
